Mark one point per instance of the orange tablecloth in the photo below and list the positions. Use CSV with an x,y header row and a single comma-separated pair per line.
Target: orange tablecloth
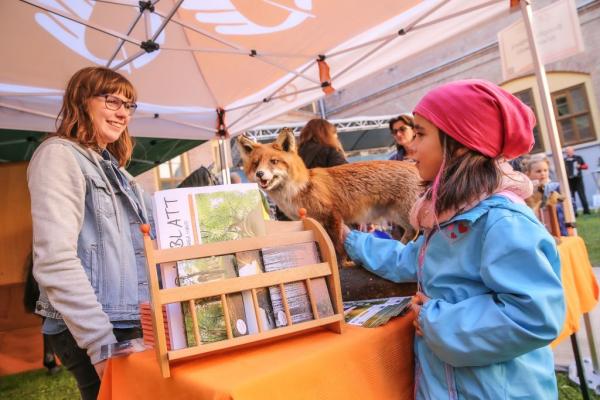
x,y
361,363
579,283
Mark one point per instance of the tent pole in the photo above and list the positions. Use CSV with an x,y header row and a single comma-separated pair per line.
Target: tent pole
x,y
223,151
322,110
542,83
548,111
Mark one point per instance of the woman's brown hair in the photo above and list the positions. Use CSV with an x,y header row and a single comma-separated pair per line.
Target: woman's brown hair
x,y
320,131
466,175
74,122
407,119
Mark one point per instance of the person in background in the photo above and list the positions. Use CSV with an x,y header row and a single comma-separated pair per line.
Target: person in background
x,y
376,230
574,164
520,162
31,294
490,299
235,178
200,177
88,251
538,170
402,130
319,146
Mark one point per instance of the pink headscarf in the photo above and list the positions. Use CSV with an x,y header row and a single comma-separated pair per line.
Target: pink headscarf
x,y
481,116
484,118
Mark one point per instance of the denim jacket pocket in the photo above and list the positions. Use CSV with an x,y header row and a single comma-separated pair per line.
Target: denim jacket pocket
x,y
101,197
94,267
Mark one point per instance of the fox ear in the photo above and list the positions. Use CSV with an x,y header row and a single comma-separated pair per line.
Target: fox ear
x,y
286,140
245,145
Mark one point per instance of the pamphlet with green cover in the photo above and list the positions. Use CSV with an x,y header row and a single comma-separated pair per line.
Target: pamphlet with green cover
x,y
200,270
211,321
205,269
229,214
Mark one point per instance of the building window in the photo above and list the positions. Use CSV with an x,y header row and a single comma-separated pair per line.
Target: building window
x,y
171,173
526,96
573,115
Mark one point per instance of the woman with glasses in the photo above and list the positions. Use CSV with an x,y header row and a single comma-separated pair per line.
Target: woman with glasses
x,y
402,130
88,252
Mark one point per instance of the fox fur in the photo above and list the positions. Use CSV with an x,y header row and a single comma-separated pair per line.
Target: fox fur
x,y
352,193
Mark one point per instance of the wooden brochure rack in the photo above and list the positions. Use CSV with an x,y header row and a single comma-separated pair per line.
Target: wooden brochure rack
x,y
278,234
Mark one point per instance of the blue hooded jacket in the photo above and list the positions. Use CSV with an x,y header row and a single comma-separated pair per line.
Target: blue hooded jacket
x,y
493,277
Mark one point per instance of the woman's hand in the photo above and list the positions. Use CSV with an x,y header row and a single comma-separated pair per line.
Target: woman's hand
x,y
100,368
417,302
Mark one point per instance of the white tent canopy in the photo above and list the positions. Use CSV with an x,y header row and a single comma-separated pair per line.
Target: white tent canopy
x,y
256,60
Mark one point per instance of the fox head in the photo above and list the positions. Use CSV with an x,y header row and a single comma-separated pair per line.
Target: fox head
x,y
274,165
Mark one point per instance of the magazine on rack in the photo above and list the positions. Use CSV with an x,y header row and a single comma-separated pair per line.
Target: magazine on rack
x,y
210,318
374,312
207,269
250,263
290,256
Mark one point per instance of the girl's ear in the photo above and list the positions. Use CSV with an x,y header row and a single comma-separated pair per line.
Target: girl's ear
x,y
286,140
246,146
461,151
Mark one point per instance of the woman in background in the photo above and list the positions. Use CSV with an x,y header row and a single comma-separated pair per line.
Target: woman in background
x,y
319,146
402,130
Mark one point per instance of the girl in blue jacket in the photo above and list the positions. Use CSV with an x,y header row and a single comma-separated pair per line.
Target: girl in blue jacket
x,y
490,298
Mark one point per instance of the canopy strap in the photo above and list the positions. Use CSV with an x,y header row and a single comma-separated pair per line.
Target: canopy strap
x,y
324,75
222,132
146,5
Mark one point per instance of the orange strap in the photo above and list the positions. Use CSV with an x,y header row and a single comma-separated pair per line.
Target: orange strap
x,y
325,77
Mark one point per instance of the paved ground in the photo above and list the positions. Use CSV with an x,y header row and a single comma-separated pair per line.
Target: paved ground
x,y
563,353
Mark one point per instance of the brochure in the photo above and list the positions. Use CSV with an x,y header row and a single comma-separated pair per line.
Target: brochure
x,y
374,312
121,348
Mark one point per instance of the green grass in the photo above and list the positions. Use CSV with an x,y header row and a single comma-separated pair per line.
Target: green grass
x,y
567,390
38,385
588,227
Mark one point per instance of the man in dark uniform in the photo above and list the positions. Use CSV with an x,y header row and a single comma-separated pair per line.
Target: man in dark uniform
x,y
574,164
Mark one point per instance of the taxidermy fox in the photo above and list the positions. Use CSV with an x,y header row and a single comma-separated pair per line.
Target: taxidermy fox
x,y
352,193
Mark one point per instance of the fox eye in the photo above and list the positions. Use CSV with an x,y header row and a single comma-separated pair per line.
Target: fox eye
x,y
274,161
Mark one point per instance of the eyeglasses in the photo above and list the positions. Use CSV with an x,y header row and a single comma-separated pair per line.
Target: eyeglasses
x,y
402,129
114,103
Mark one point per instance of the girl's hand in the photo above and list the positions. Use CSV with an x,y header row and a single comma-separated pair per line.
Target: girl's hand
x,y
417,301
344,232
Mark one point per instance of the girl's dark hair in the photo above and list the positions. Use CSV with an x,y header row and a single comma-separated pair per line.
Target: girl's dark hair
x,y
467,174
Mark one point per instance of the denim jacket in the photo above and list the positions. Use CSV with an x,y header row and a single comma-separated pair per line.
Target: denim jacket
x,y
88,250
